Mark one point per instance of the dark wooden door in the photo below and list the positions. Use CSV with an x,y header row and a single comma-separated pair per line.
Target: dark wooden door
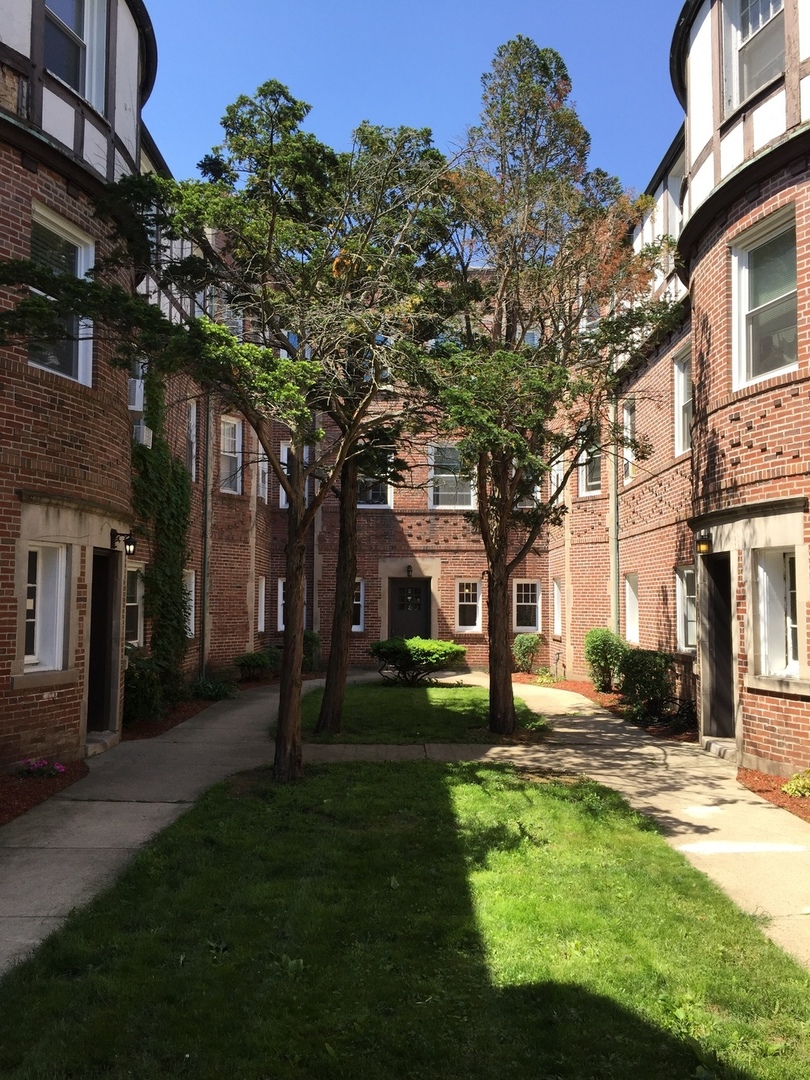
x,y
99,676
409,607
720,721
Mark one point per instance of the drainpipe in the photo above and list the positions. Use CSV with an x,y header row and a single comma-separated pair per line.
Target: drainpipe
x,y
206,518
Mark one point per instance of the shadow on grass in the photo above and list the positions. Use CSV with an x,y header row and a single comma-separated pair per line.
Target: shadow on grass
x,y
387,713
323,930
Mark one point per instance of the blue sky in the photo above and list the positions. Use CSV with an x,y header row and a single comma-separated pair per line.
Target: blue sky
x,y
416,63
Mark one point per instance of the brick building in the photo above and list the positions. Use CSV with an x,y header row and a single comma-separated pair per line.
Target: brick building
x,y
723,404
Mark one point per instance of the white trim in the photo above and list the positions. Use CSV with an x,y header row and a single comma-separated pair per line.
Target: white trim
x,y
583,491
137,570
190,584
230,483
459,482
282,588
283,455
261,606
262,476
686,607
631,620
741,251
629,432
45,607
777,613
470,584
556,595
85,260
389,496
683,391
524,628
191,439
359,627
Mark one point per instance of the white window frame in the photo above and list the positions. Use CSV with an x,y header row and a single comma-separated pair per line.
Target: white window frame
x,y
467,583
137,572
262,476
740,255
85,260
91,40
555,482
682,369
191,439
389,494
190,585
359,603
525,628
557,595
460,482
230,483
261,606
686,607
631,619
735,42
280,598
585,489
45,598
629,431
777,628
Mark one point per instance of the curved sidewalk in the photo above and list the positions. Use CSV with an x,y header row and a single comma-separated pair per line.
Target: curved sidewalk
x,y
61,853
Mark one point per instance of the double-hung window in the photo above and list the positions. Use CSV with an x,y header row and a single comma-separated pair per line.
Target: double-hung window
x,y
59,246
526,607
45,607
230,456
75,45
133,607
450,487
557,598
683,405
556,473
754,43
777,613
359,607
191,439
686,607
629,429
371,492
190,587
261,619
590,472
282,603
284,458
263,470
766,316
468,607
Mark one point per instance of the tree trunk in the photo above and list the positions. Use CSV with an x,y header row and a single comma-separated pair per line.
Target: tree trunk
x,y
501,697
288,763
346,573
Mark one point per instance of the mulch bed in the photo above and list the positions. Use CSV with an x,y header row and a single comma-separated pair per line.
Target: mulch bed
x,y
769,787
18,794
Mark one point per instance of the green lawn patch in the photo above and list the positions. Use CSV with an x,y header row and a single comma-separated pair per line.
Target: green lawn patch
x,y
406,922
385,713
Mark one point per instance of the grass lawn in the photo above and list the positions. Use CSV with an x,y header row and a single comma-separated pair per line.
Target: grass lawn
x,y
396,922
385,713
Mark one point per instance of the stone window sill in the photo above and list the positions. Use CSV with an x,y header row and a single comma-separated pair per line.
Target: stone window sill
x,y
775,684
36,680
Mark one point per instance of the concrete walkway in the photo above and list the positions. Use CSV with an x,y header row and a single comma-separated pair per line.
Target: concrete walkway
x,y
61,853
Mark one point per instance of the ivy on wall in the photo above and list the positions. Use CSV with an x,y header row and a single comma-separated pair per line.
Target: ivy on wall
x,y
162,502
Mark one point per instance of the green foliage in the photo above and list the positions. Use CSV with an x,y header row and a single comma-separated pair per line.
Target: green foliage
x,y
414,660
545,677
258,665
162,499
798,785
646,681
312,652
143,687
212,688
525,649
604,651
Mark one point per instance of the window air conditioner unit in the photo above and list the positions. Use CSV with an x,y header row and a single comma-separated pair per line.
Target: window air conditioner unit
x,y
142,434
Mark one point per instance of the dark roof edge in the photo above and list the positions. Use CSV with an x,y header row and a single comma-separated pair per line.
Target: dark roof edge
x,y
149,43
677,52
152,151
675,150
795,148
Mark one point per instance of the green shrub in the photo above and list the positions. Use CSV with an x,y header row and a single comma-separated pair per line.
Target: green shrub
x,y
646,681
525,648
545,677
258,665
414,660
212,688
603,653
798,785
143,687
312,651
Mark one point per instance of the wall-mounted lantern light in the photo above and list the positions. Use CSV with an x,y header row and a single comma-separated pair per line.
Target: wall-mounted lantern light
x,y
129,541
703,544
409,570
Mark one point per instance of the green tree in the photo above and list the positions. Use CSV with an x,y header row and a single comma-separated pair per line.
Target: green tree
x,y
557,299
